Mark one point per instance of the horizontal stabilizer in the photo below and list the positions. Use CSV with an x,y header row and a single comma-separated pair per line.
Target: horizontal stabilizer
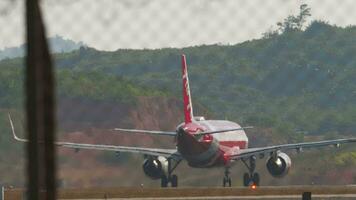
x,y
223,131
168,133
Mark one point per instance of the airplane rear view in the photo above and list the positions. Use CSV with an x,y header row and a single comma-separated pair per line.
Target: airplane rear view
x,y
205,144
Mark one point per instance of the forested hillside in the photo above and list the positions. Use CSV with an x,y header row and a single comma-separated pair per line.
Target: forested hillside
x,y
297,82
86,101
292,86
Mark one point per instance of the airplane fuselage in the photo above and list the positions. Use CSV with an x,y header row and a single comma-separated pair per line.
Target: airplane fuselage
x,y
209,150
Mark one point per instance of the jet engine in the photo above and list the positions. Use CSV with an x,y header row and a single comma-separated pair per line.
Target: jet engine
x,y
279,165
155,167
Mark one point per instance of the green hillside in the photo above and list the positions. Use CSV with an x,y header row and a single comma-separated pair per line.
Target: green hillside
x,y
289,85
77,86
295,82
92,85
80,96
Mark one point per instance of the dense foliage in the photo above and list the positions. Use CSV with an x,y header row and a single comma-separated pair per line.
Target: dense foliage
x,y
92,85
292,84
296,82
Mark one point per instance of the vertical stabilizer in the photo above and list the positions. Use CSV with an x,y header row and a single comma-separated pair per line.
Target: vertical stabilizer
x,y
188,108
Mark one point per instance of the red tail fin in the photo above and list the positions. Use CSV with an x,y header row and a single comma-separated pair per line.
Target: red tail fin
x,y
188,108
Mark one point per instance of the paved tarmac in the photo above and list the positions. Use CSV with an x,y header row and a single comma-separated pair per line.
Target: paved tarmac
x,y
266,197
200,193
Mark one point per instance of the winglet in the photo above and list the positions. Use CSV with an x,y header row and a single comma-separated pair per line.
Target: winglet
x,y
188,107
13,131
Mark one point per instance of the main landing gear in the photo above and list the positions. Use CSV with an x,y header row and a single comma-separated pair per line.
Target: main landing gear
x,y
251,178
169,178
165,180
227,179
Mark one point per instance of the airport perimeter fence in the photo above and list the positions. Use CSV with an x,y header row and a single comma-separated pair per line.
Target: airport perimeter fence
x,y
214,33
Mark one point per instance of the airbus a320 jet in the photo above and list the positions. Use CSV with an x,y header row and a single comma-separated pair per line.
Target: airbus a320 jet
x,y
205,144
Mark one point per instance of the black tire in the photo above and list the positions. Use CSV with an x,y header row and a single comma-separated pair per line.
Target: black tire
x,y
256,179
226,182
174,181
247,179
229,182
164,181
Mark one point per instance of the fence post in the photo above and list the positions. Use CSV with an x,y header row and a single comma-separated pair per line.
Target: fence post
x,y
40,108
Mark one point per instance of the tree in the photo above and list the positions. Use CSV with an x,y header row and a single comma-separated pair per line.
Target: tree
x,y
288,25
304,13
295,23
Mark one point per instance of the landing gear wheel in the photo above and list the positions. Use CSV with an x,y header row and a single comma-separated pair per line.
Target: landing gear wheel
x,y
251,178
256,179
174,181
164,181
169,178
246,179
227,182
227,179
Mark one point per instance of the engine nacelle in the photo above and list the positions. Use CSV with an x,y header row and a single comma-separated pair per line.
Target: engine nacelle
x,y
155,167
279,166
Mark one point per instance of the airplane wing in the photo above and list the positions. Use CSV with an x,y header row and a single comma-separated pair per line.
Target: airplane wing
x,y
172,153
171,133
168,133
245,153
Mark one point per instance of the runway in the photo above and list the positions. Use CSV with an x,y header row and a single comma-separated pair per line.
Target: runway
x,y
199,193
264,197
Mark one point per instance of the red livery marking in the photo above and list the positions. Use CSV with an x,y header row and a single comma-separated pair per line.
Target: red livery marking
x,y
188,111
207,138
226,159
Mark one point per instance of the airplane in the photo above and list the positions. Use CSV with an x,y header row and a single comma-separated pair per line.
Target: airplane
x,y
205,144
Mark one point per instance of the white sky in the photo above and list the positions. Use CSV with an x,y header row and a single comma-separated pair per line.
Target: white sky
x,y
114,24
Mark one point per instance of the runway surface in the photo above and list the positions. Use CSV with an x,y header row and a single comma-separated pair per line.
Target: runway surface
x,y
268,193
264,197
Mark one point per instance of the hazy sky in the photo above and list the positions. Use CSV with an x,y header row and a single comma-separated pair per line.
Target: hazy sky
x,y
114,24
